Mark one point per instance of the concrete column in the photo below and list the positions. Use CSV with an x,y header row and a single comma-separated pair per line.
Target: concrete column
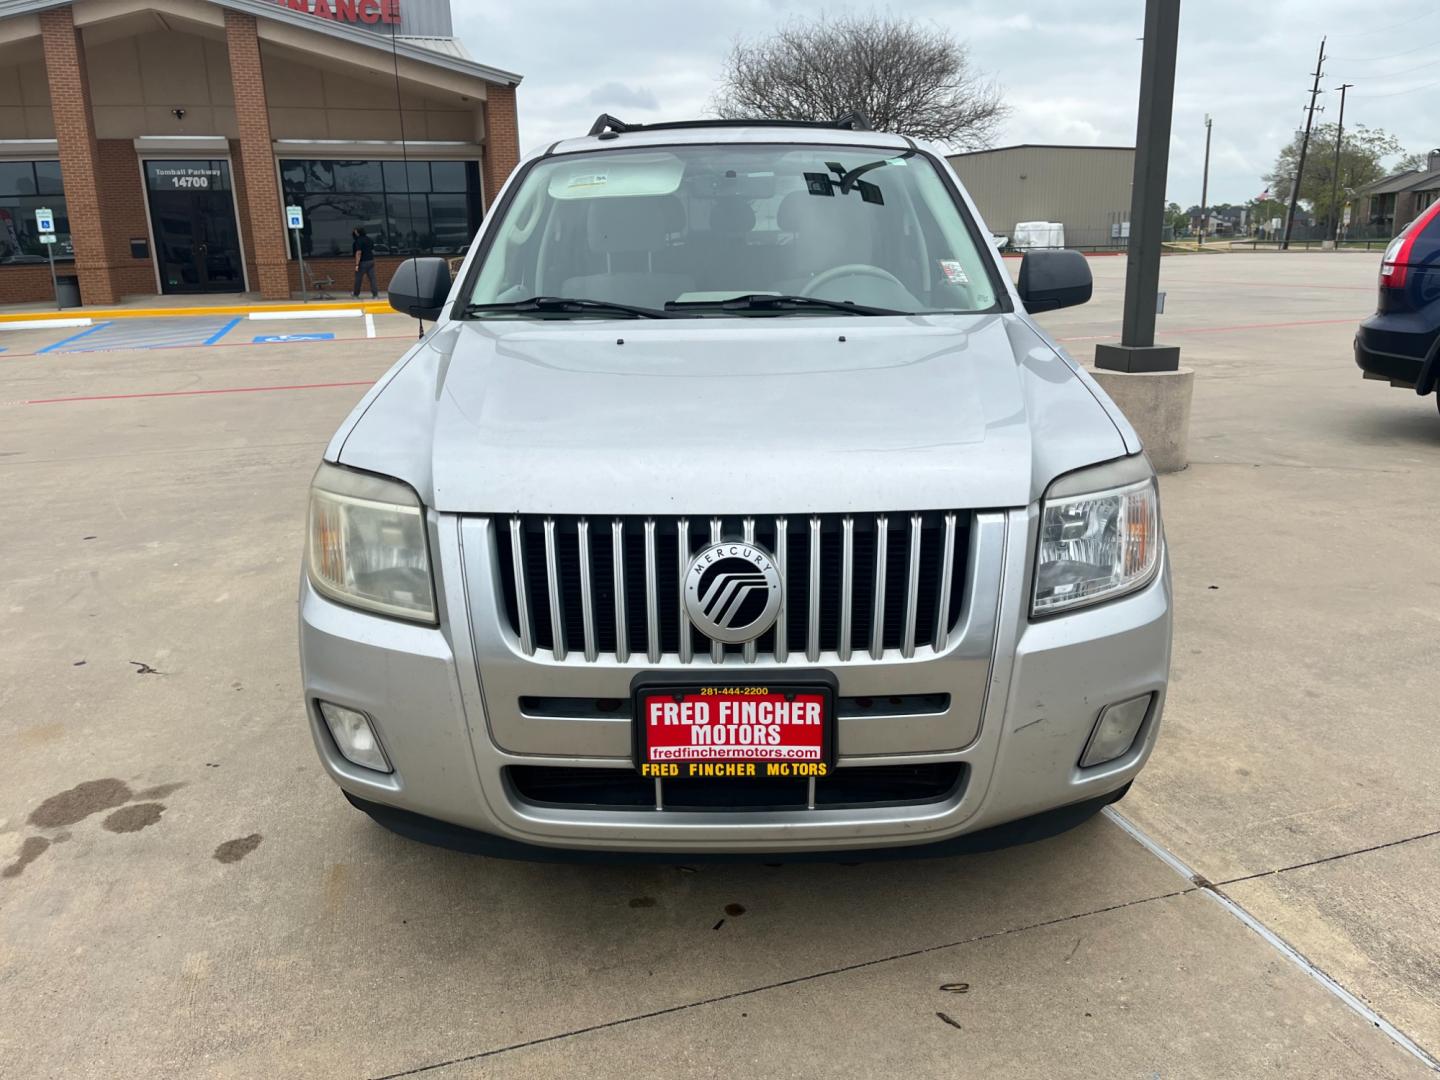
x,y
261,206
79,152
502,139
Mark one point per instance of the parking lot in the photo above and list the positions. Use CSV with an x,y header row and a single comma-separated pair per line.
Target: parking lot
x,y
185,894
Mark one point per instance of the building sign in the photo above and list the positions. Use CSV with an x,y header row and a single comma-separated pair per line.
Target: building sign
x,y
358,12
184,176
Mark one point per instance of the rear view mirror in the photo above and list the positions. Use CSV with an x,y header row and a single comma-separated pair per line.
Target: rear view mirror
x,y
418,288
1053,279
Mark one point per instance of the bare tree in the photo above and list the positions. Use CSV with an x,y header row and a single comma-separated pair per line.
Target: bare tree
x,y
904,76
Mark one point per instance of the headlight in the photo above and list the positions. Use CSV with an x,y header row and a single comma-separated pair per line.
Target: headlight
x,y
1097,542
367,544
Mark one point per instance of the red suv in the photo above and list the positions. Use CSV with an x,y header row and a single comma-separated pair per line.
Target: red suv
x,y
1401,341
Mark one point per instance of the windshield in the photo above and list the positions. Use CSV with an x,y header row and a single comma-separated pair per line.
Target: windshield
x,y
695,227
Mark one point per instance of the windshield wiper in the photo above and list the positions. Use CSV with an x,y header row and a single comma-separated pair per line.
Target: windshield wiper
x,y
567,305
772,302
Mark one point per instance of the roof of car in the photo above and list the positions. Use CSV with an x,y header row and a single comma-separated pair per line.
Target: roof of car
x,y
709,133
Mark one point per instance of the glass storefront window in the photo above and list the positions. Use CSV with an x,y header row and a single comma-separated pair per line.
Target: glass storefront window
x,y
26,186
407,208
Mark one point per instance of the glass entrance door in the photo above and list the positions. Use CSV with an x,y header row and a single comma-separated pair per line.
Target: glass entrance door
x,y
192,210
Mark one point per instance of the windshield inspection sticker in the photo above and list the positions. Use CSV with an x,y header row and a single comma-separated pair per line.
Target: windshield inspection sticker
x,y
954,272
589,180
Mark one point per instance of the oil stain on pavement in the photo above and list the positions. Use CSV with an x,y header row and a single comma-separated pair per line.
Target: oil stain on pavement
x,y
135,817
232,851
79,802
30,850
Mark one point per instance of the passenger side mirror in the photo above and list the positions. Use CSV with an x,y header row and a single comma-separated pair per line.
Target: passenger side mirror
x,y
418,288
1054,279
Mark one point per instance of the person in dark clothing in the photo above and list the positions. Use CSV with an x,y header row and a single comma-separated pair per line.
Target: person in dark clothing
x,y
364,250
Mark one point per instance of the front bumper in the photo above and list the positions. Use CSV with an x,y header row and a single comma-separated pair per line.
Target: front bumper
x,y
1048,681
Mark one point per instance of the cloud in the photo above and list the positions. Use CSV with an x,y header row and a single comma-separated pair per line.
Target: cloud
x,y
618,95
1070,71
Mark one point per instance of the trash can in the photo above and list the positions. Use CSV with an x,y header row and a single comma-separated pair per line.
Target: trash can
x,y
67,291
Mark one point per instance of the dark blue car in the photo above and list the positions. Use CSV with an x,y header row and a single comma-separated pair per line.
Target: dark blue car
x,y
1401,341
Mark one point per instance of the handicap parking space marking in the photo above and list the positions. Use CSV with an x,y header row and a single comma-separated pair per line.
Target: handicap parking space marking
x,y
55,346
275,339
213,338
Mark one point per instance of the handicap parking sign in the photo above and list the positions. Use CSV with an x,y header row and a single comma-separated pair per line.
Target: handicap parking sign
x,y
44,219
293,218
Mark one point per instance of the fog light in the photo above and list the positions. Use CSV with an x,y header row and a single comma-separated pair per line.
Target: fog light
x,y
354,736
1115,731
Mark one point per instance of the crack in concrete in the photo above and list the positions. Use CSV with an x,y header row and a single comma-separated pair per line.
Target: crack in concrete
x,y
797,980
1328,858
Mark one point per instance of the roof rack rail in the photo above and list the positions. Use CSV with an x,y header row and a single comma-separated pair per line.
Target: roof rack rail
x,y
608,127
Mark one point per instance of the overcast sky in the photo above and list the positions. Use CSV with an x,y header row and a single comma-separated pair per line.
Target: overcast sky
x,y
1068,68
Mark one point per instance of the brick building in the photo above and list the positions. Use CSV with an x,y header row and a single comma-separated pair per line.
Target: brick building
x,y
1388,205
168,136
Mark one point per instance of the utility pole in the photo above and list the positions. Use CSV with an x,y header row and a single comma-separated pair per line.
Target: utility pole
x,y
1205,183
1137,351
1335,179
1304,146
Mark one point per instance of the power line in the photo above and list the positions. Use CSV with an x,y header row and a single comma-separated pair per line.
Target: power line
x,y
1394,26
1396,93
1375,59
1381,76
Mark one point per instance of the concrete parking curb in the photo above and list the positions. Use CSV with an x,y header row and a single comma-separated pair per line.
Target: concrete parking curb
x,y
82,316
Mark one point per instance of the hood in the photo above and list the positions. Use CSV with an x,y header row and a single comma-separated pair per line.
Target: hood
x,y
730,416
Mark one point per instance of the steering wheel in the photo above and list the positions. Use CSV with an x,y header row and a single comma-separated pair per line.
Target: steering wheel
x,y
825,277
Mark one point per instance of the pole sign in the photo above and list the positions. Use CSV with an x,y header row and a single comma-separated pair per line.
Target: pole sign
x,y
293,218
44,220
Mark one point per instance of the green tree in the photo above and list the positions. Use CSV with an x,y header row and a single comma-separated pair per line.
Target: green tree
x,y
1362,161
1177,219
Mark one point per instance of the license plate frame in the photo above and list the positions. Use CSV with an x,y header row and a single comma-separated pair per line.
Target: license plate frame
x,y
716,691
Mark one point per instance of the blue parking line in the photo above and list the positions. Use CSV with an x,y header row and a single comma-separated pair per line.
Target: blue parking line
x,y
74,337
213,338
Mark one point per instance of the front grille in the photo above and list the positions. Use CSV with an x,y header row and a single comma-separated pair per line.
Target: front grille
x,y
845,788
872,583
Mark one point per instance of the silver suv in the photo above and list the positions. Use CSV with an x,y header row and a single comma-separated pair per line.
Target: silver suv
x,y
734,504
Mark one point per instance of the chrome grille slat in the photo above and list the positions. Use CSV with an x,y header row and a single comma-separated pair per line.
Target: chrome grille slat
x,y
717,649
782,630
552,580
912,589
584,589
942,603
522,597
877,621
652,603
622,631
812,636
747,651
847,585
682,549
587,597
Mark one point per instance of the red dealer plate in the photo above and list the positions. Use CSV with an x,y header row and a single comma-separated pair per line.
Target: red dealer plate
x,y
721,731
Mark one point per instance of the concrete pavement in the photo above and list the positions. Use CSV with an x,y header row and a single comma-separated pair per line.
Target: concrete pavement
x,y
187,895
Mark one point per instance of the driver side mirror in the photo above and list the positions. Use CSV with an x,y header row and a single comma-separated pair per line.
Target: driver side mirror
x,y
1054,279
418,287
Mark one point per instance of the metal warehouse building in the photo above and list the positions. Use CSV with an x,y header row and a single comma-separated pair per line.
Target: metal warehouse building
x,y
168,136
1086,188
